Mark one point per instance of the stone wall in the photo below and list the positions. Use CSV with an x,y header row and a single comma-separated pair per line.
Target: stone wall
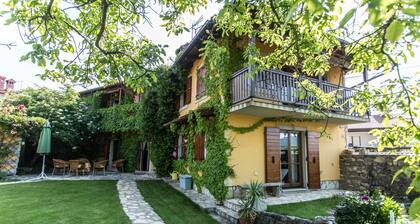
x,y
273,218
361,172
9,164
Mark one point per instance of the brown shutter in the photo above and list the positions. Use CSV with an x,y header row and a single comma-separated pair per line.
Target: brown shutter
x,y
188,91
199,147
313,160
272,154
177,102
200,82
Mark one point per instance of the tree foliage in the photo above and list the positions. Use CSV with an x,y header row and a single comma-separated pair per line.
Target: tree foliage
x,y
14,125
71,121
96,40
157,108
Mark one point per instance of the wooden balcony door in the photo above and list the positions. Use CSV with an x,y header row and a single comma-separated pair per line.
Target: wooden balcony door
x,y
291,154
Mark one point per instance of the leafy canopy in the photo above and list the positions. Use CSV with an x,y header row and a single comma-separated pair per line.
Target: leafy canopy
x,y
96,40
71,121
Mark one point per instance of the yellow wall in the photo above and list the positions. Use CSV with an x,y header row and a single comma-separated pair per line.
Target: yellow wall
x,y
248,155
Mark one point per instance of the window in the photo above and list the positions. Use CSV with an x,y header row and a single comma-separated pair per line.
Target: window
x,y
185,98
199,147
182,147
201,88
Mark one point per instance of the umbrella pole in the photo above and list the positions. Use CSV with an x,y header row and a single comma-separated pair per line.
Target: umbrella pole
x,y
43,175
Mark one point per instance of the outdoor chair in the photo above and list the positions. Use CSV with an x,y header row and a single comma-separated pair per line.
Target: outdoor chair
x,y
118,164
85,165
75,166
99,166
60,165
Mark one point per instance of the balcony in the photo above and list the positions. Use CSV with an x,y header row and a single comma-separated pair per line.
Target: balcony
x,y
274,93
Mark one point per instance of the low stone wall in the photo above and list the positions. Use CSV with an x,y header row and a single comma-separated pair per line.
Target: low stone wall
x,y
361,172
274,218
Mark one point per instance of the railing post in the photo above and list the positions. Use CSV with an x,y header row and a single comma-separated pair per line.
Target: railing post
x,y
252,43
320,81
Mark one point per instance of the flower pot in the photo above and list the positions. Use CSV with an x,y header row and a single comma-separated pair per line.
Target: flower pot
x,y
246,220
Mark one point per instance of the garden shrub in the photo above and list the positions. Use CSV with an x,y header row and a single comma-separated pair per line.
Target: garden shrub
x,y
2,176
372,208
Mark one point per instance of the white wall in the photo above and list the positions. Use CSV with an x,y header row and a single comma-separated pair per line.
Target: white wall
x,y
361,139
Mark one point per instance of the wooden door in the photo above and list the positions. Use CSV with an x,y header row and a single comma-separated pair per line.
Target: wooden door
x,y
272,154
314,180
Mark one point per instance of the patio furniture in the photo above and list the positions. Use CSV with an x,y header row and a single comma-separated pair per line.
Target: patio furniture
x,y
85,165
276,187
99,166
60,165
118,164
75,166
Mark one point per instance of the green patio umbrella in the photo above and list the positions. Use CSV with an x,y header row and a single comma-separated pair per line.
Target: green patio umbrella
x,y
44,146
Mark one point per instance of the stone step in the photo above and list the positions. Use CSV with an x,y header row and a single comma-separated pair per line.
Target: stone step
x,y
218,218
229,215
232,204
146,173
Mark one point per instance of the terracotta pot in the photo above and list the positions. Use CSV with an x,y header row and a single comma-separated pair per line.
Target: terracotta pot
x,y
246,220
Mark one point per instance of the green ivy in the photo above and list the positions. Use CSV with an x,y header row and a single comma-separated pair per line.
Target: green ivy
x,y
120,118
130,145
157,108
221,60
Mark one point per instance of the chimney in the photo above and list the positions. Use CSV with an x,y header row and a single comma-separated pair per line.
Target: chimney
x,y
10,84
2,78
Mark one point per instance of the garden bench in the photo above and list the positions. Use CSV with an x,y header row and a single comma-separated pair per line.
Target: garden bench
x,y
278,187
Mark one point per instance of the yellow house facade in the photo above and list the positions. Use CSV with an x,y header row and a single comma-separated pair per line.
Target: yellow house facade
x,y
290,152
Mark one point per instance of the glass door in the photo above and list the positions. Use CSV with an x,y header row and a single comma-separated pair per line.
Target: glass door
x,y
291,158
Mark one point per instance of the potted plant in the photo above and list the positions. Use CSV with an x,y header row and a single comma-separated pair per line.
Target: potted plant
x,y
247,213
255,195
251,203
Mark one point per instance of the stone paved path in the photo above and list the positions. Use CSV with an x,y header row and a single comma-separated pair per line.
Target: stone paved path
x,y
137,210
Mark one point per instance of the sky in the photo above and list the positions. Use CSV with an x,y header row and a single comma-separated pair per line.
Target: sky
x,y
25,72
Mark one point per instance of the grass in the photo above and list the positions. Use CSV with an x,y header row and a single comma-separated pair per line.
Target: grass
x,y
308,209
61,202
171,205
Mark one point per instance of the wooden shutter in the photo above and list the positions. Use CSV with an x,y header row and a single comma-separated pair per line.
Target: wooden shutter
x,y
313,160
200,82
188,91
199,147
272,154
177,102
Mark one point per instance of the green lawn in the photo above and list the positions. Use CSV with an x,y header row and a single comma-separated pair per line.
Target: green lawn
x,y
308,209
171,205
61,202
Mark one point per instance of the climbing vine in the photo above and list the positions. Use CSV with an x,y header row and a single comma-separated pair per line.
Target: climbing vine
x,y
120,118
157,108
221,58
130,145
